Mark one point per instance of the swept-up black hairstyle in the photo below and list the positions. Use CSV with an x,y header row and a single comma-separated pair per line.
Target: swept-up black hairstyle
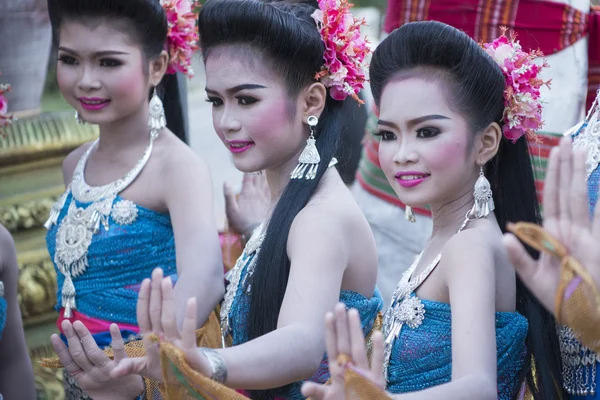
x,y
476,86
146,22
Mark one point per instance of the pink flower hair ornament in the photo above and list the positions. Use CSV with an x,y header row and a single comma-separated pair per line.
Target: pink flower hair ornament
x,y
5,118
182,36
522,102
344,59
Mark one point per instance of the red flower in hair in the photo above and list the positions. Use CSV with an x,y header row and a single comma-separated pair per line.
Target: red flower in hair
x,y
182,37
522,102
344,59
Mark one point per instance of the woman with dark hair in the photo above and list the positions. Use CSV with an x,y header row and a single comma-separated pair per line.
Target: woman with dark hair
x,y
137,198
453,126
315,248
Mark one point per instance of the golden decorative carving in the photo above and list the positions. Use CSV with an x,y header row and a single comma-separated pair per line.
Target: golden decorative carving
x,y
43,136
31,214
30,182
37,288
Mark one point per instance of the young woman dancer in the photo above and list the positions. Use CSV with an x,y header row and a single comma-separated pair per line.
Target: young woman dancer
x,y
315,248
461,325
137,198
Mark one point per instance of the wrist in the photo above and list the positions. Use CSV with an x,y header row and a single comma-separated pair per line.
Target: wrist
x,y
217,370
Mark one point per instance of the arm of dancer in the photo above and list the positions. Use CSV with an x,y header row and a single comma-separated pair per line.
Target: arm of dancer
x,y
567,223
290,353
189,199
468,268
473,336
294,350
16,374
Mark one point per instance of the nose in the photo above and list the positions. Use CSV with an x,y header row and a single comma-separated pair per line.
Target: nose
x,y
228,121
406,152
88,80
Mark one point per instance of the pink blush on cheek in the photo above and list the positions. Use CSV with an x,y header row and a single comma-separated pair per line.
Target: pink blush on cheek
x,y
443,155
270,121
128,85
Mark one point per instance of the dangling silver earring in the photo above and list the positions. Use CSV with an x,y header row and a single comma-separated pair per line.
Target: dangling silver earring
x,y
409,215
157,119
79,120
484,203
309,158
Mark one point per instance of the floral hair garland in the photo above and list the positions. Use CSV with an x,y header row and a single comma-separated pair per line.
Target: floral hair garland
x,y
522,103
5,118
182,36
344,59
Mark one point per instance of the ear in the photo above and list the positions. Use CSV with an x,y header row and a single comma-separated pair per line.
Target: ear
x,y
487,143
313,100
158,67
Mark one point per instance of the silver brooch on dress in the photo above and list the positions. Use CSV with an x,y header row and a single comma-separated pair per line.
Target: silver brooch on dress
x,y
411,312
124,212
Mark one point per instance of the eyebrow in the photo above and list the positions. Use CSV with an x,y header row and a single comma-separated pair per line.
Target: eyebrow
x,y
235,89
97,54
412,122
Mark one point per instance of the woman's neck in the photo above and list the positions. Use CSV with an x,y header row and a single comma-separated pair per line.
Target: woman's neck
x,y
126,133
448,217
279,176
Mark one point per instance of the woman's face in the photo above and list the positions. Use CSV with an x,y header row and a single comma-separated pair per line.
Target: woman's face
x,y
426,148
100,71
252,112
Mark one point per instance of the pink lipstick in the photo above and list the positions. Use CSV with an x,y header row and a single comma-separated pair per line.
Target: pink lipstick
x,y
239,146
93,103
409,179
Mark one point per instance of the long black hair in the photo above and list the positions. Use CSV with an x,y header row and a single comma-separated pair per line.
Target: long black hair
x,y
146,23
284,34
476,87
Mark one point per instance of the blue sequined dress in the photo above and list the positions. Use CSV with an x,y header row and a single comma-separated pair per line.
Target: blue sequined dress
x,y
102,247
422,357
119,259
368,309
3,307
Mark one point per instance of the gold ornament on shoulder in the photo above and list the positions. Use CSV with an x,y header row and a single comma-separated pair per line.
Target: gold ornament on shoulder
x,y
124,212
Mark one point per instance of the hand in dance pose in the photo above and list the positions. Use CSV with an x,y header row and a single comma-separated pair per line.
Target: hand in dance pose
x,y
247,209
344,337
90,366
567,219
156,314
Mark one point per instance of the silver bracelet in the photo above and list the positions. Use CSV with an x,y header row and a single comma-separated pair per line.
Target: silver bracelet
x,y
217,364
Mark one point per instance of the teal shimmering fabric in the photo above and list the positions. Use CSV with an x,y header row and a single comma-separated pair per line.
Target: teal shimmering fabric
x,y
118,260
368,309
2,315
422,357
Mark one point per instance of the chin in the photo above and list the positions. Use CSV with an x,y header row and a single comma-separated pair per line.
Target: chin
x,y
245,166
412,199
96,118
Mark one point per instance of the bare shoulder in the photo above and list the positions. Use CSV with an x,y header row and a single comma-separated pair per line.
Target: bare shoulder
x,y
332,213
471,249
71,160
179,163
334,217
